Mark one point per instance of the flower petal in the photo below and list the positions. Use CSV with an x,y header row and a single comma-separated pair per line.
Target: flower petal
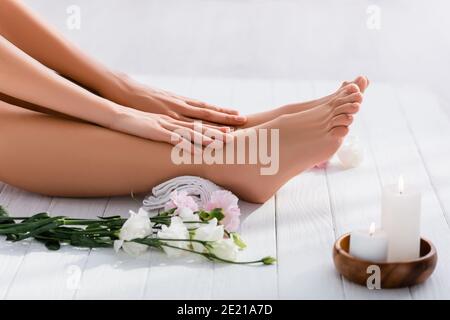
x,y
117,245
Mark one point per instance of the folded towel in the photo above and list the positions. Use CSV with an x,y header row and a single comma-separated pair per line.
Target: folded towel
x,y
200,189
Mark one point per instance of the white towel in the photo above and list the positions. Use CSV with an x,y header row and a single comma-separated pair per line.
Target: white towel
x,y
200,189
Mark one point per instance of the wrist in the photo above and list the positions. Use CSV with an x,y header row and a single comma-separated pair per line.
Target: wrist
x,y
118,88
115,116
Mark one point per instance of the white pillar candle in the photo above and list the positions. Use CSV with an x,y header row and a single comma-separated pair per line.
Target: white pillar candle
x,y
369,245
400,218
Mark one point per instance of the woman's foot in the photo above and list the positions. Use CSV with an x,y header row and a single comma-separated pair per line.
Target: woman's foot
x,y
358,85
305,138
361,82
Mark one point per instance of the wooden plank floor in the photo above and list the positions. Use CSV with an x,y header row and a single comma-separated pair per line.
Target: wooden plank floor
x,y
403,130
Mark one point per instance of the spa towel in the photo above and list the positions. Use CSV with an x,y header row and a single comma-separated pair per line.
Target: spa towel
x,y
200,189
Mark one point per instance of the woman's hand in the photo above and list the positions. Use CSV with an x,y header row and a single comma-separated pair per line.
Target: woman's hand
x,y
135,95
190,136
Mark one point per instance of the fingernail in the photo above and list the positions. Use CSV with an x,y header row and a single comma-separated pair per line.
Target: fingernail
x,y
241,118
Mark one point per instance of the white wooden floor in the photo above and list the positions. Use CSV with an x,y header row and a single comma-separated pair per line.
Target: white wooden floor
x,y
403,131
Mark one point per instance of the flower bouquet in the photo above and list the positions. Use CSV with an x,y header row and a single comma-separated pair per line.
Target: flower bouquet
x,y
181,228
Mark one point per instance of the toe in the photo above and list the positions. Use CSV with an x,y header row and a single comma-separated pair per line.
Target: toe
x,y
351,88
341,120
362,83
348,108
354,97
345,83
346,90
339,132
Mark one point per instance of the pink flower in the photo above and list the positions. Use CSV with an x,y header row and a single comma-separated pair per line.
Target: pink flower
x,y
181,200
321,165
228,202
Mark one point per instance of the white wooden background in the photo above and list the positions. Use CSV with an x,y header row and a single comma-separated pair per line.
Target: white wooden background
x,y
404,131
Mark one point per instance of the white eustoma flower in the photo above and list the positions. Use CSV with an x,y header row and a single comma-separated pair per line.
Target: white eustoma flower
x,y
138,225
207,232
176,230
187,214
225,249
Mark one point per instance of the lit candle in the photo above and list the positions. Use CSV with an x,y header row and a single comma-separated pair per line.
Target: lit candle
x,y
400,218
369,245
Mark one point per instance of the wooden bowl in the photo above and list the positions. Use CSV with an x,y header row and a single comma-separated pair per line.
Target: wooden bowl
x,y
393,275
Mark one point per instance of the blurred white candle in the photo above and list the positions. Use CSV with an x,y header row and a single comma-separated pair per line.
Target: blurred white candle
x,y
400,218
369,245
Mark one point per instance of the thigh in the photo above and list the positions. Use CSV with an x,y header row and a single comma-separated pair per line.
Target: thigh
x,y
30,106
55,156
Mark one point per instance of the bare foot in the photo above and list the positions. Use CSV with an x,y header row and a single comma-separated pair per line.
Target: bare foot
x,y
306,138
358,85
361,84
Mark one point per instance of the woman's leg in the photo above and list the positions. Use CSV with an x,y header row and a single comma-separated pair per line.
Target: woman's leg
x,y
50,155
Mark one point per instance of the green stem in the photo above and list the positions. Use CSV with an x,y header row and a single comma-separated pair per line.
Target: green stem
x,y
161,239
212,256
82,222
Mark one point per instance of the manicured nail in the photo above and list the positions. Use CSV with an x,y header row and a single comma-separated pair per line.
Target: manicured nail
x,y
241,118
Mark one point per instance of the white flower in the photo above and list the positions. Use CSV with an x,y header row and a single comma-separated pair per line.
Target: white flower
x,y
351,154
138,225
176,230
186,214
207,232
225,249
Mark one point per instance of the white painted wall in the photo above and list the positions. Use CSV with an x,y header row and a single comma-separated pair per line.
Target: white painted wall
x,y
308,39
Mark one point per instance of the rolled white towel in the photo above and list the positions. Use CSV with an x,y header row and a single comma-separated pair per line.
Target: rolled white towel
x,y
200,189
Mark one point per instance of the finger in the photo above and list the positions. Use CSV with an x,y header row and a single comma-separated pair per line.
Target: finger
x,y
219,133
215,117
208,124
179,141
215,125
201,104
196,137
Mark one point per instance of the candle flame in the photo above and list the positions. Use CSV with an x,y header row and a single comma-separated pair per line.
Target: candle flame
x,y
372,228
401,185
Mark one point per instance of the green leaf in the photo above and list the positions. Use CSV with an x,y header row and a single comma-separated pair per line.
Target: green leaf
x,y
23,228
12,237
215,213
4,214
110,218
36,217
52,245
204,215
44,228
237,240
